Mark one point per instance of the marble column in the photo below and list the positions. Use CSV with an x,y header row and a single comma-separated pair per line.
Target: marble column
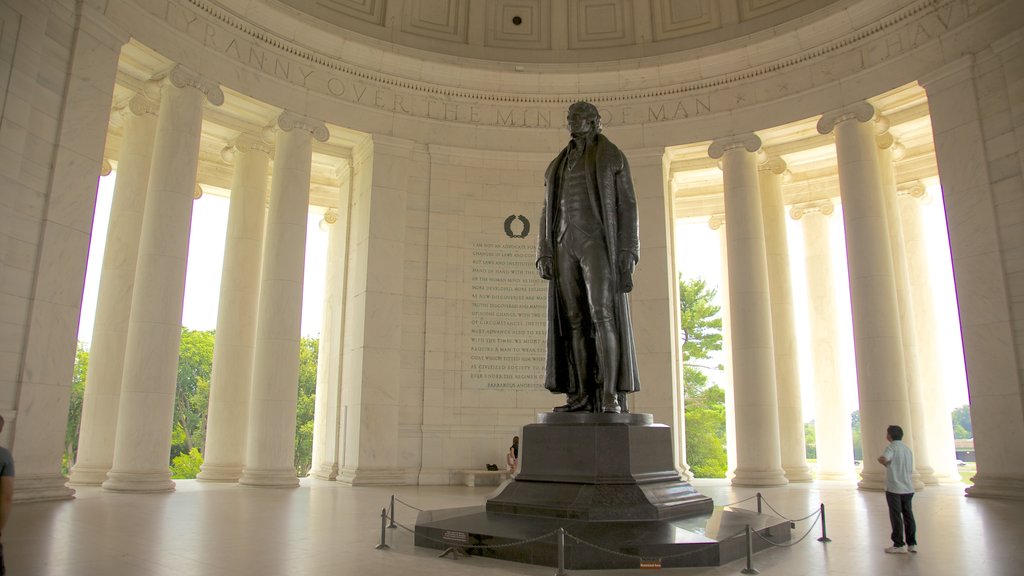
x,y
938,427
270,451
655,292
787,374
888,152
234,346
832,426
327,429
881,376
114,302
717,222
373,315
979,198
145,411
757,418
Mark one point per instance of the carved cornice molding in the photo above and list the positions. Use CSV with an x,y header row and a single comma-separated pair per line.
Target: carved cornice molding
x,y
749,142
861,112
824,207
182,77
950,13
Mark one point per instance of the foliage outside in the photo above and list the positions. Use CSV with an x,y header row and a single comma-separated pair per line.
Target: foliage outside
x,y
962,423
704,406
191,404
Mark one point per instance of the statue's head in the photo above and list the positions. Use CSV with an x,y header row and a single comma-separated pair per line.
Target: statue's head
x,y
583,118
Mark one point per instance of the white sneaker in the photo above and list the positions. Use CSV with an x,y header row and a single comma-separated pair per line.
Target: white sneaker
x,y
912,548
896,550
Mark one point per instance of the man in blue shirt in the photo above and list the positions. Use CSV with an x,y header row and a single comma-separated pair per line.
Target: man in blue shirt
x,y
899,491
6,491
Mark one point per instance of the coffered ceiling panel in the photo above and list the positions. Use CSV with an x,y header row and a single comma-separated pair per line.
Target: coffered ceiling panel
x,y
518,24
600,23
438,19
754,8
337,11
676,18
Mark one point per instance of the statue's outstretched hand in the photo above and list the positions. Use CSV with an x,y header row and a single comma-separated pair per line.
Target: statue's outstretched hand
x,y
627,262
546,268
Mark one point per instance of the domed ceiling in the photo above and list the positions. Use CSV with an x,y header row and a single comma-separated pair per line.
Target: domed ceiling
x,y
557,30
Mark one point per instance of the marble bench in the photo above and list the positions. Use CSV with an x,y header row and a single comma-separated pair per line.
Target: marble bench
x,y
469,476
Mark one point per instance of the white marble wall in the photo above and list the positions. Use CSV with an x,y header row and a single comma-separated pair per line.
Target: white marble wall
x,y
981,180
51,168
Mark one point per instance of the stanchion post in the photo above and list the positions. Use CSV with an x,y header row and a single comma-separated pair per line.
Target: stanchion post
x,y
750,550
758,502
392,513
383,529
824,534
561,553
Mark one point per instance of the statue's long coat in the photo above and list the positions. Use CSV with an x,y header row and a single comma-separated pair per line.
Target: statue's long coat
x,y
613,199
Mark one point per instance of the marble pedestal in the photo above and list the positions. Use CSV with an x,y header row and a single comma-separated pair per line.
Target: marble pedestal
x,y
608,480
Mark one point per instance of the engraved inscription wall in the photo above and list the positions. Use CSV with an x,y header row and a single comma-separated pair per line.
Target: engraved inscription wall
x,y
507,316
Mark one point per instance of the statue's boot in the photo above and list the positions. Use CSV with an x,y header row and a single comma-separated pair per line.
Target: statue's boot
x,y
608,363
578,401
575,403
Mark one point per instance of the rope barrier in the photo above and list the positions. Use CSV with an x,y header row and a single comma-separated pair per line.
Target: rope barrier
x,y
791,544
406,504
740,501
560,534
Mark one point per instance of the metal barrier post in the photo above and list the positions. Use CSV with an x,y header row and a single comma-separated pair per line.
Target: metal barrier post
x,y
561,553
750,551
758,502
824,535
392,514
383,529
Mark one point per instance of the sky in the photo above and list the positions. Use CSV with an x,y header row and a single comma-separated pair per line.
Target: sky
x,y
209,226
206,253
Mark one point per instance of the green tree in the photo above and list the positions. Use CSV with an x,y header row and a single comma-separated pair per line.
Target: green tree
x,y
810,440
858,450
306,403
192,393
75,407
704,406
962,423
186,465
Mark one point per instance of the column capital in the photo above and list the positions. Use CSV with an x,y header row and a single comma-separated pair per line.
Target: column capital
x,y
750,142
289,121
141,104
823,207
774,164
861,111
886,141
913,190
182,77
245,143
716,221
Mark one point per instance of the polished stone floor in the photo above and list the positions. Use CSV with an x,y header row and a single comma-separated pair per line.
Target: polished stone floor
x,y
326,528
